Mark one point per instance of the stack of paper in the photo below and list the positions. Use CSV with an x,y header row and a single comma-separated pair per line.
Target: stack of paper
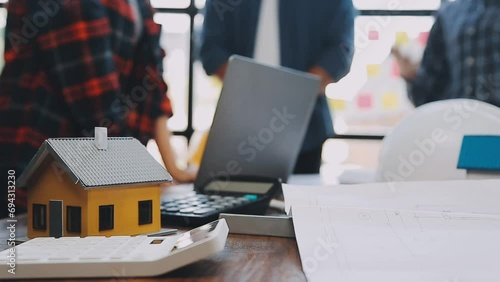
x,y
416,231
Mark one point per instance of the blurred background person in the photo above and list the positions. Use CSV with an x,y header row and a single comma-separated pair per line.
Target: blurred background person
x,y
311,36
462,57
71,66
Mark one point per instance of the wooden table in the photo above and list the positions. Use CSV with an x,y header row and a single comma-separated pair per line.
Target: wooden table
x,y
245,258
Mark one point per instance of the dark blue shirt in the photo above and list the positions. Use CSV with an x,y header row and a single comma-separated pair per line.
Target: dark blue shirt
x,y
462,58
312,33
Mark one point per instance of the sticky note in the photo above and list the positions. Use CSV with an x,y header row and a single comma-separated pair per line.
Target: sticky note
x,y
402,38
390,101
365,101
395,69
337,104
373,35
373,70
423,38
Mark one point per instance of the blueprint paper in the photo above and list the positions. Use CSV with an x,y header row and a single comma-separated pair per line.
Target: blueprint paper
x,y
442,231
476,196
359,244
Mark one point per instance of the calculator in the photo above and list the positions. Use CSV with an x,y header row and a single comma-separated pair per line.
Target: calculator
x,y
237,195
112,257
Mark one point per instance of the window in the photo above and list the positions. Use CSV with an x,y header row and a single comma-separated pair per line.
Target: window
x,y
74,219
174,40
145,212
366,104
106,217
39,216
372,98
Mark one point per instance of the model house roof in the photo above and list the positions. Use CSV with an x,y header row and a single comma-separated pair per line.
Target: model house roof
x,y
125,161
480,153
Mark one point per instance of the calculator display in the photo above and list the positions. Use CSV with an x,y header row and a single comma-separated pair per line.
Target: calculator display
x,y
218,186
196,235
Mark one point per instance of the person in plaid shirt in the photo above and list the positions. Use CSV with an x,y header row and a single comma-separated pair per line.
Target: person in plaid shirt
x,y
71,66
462,57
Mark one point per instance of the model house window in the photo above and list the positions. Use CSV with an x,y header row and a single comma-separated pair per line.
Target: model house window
x,y
74,219
106,217
145,212
39,216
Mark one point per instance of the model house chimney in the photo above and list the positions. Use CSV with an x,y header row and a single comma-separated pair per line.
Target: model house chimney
x,y
101,138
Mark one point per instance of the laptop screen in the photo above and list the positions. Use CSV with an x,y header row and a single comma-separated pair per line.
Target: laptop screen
x,y
260,122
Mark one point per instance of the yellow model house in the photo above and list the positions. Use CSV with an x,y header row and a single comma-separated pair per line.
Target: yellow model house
x,y
93,186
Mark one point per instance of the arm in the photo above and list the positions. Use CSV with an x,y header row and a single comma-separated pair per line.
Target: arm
x,y
162,138
156,108
214,52
336,58
15,45
429,83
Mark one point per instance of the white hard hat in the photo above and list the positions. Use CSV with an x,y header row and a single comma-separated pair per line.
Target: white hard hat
x,y
426,145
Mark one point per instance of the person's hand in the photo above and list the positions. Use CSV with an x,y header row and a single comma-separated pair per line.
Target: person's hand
x,y
162,138
324,76
407,68
183,176
221,71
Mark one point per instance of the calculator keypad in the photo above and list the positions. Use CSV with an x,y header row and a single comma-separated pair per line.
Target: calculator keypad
x,y
203,204
95,248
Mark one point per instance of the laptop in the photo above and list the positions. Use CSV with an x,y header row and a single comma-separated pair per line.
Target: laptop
x,y
257,132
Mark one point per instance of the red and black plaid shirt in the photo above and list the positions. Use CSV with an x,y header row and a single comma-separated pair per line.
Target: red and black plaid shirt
x,y
73,65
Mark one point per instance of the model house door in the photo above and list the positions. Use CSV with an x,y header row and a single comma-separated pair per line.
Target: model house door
x,y
55,219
